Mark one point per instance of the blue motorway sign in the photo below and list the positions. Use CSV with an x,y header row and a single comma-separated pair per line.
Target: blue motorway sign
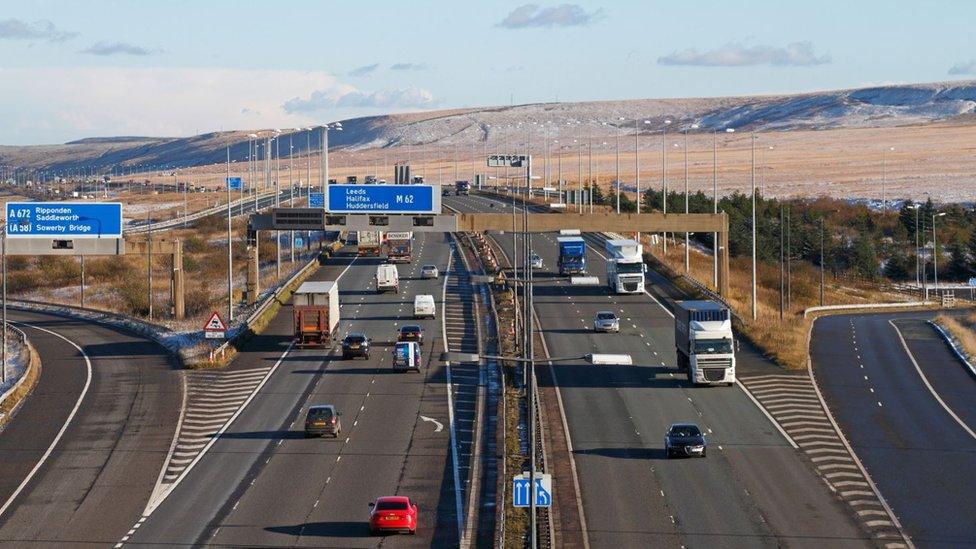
x,y
521,492
299,242
64,220
316,200
392,199
234,183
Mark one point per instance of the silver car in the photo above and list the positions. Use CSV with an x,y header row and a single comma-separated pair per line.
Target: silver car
x,y
536,261
606,321
429,271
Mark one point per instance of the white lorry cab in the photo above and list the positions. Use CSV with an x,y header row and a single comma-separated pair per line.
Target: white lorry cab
x,y
424,307
387,278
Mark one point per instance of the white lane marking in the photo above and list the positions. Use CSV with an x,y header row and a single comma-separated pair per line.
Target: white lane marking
x,y
928,385
450,404
438,426
158,498
64,428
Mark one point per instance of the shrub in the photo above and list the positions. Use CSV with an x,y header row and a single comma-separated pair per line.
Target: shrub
x,y
194,245
21,282
198,301
57,270
107,269
133,296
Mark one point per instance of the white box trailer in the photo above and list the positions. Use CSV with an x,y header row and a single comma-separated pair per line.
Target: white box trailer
x,y
316,312
625,266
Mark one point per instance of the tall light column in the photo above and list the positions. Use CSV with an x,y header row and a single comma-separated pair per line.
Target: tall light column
x,y
755,311
664,178
687,200
884,178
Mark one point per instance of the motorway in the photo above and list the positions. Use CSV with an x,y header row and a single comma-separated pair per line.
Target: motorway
x,y
908,406
121,393
263,484
753,489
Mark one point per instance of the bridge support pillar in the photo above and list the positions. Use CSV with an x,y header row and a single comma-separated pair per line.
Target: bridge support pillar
x,y
253,275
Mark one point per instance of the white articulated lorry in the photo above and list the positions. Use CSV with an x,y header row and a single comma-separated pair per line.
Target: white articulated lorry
x,y
625,266
704,342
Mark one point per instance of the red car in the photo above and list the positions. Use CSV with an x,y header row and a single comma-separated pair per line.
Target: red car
x,y
393,514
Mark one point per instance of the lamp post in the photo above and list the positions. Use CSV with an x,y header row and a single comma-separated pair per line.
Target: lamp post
x,y
230,252
822,223
637,166
935,254
755,310
617,162
715,202
664,178
687,200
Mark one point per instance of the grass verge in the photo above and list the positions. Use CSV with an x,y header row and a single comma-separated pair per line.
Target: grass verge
x,y
962,329
32,375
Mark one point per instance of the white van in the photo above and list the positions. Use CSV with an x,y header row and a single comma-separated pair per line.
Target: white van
x,y
387,278
424,307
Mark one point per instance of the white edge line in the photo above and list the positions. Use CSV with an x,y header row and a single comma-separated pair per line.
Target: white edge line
x,y
64,427
928,385
152,505
450,403
850,451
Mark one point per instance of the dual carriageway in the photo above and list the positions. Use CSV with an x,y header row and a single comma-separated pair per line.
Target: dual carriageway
x,y
140,429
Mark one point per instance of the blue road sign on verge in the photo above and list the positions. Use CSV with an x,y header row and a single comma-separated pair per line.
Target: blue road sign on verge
x,y
299,242
521,492
234,183
392,199
316,200
64,220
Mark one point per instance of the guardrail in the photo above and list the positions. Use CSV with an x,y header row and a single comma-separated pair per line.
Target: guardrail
x,y
178,221
955,348
260,310
23,341
855,306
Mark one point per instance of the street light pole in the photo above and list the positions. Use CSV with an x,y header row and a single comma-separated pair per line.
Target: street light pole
x,y
755,310
822,223
935,254
884,178
687,200
230,254
664,179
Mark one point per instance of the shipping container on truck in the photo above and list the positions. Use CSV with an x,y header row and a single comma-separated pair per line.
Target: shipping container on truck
x,y
704,342
399,246
370,242
316,313
572,255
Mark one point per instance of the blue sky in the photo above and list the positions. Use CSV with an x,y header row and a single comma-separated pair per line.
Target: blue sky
x,y
98,68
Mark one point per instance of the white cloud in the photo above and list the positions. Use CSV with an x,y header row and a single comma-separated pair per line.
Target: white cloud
x,y
965,68
408,66
365,70
117,48
563,15
17,29
60,104
322,100
736,54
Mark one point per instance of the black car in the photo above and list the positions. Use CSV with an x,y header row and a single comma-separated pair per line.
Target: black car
x,y
411,332
684,439
355,344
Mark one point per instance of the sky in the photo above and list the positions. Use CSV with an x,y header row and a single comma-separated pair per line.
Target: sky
x,y
98,68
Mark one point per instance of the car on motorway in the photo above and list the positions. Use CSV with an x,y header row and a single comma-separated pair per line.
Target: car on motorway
x,y
446,192
606,321
411,332
429,271
684,439
355,344
323,419
536,261
393,514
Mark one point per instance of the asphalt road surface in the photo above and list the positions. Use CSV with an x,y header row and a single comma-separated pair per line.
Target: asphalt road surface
x,y
263,484
92,485
752,490
919,455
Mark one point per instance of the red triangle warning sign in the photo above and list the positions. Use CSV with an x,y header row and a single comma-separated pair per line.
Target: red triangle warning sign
x,y
215,324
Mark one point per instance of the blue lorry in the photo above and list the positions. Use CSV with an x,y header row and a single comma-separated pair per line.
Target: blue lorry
x,y
572,255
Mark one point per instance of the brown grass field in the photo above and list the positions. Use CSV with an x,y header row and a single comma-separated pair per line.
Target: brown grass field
x,y
934,160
